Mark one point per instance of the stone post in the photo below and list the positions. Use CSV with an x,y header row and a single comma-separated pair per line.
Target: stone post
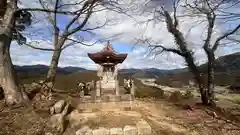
x,y
98,89
117,87
81,93
132,91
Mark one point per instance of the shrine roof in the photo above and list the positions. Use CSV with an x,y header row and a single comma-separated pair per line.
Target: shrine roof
x,y
107,54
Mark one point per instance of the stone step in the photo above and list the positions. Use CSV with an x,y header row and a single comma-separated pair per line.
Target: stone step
x,y
105,106
107,98
117,123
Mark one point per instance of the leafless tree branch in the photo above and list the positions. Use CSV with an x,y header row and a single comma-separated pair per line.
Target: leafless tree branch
x,y
33,46
215,45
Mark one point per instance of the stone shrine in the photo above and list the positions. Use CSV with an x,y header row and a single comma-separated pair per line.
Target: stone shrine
x,y
107,59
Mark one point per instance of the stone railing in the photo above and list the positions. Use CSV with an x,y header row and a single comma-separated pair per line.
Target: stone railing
x,y
129,86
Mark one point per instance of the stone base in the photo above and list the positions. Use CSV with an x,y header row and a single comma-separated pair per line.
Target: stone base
x,y
117,123
110,91
106,106
106,98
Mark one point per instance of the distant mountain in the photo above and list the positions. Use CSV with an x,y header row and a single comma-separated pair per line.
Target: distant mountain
x,y
139,73
225,64
227,70
42,69
149,72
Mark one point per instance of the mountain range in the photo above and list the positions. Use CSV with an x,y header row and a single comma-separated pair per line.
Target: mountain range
x,y
140,73
228,64
227,69
227,72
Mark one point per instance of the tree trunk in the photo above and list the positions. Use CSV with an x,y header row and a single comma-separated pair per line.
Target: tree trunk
x,y
51,75
188,57
198,77
9,83
210,71
8,77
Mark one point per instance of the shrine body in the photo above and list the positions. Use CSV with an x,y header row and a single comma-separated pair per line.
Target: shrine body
x,y
108,60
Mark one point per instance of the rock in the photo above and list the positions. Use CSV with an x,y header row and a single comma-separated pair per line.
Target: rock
x,y
116,131
211,113
84,131
214,114
35,85
143,128
130,130
127,108
100,131
66,110
187,107
58,122
49,133
52,111
58,106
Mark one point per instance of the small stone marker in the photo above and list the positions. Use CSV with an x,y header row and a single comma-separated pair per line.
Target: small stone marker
x,y
58,107
143,128
100,131
57,122
52,111
129,130
116,131
49,133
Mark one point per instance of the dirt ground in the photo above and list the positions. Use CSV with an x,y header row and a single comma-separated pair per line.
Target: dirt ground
x,y
164,118
167,119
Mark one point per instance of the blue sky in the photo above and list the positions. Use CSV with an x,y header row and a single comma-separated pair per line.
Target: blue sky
x,y
77,55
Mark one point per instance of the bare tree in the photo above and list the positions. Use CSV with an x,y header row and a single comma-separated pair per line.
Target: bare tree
x,y
64,39
13,20
210,10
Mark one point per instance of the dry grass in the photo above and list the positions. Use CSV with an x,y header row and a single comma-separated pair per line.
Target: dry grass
x,y
235,98
23,121
108,119
144,91
166,119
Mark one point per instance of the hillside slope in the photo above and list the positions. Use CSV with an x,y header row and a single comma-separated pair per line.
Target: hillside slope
x,y
227,69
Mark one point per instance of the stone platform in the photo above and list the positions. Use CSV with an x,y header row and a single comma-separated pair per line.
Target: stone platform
x,y
108,123
105,106
106,98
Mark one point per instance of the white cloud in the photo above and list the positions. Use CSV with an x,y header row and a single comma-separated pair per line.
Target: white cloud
x,y
130,29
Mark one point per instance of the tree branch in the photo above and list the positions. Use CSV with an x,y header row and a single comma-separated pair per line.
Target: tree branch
x,y
81,25
48,11
233,39
175,4
211,22
215,45
70,4
154,47
78,42
39,48
75,18
168,49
